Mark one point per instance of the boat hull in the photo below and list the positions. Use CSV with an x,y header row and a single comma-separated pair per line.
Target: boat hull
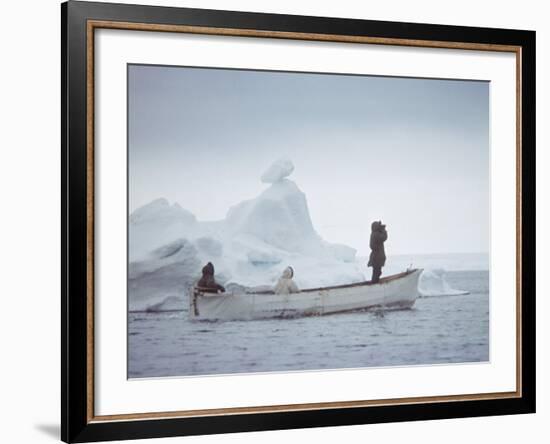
x,y
393,292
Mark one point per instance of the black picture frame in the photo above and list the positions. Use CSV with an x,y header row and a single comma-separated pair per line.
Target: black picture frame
x,y
77,425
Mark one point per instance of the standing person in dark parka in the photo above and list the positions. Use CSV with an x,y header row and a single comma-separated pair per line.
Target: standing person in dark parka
x,y
377,258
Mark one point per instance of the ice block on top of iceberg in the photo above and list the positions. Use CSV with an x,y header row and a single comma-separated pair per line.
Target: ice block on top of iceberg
x,y
278,171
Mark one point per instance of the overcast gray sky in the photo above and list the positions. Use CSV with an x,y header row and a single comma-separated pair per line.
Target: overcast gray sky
x,y
412,152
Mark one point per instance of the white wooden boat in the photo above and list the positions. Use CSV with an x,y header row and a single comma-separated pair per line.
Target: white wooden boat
x,y
392,292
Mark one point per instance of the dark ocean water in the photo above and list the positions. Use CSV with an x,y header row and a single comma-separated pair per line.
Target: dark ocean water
x,y
437,330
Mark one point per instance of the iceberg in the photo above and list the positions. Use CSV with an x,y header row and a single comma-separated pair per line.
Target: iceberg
x,y
250,247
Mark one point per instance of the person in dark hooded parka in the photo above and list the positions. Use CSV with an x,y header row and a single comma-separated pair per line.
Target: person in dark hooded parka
x,y
377,258
207,283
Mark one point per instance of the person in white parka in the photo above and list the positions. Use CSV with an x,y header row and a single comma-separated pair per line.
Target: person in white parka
x,y
286,285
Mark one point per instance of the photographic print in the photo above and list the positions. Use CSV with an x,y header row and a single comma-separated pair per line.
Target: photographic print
x,y
297,221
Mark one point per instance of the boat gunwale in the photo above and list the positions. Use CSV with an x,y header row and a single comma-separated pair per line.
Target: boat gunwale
x,y
383,280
